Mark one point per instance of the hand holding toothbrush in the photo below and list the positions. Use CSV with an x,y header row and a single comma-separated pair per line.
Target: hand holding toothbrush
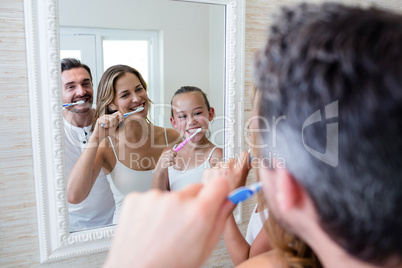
x,y
234,170
161,176
206,206
181,145
127,114
167,159
106,125
242,192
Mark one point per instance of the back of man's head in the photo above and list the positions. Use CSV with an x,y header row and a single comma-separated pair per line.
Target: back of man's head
x,y
71,63
347,62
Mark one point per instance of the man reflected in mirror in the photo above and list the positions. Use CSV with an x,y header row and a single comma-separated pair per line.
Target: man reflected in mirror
x,y
98,208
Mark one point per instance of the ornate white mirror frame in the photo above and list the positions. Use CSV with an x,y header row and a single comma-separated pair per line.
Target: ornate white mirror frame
x,y
42,41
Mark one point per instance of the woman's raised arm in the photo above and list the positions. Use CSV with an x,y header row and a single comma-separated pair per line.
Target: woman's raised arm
x,y
86,170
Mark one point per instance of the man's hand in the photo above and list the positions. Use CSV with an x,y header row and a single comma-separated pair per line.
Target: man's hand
x,y
171,229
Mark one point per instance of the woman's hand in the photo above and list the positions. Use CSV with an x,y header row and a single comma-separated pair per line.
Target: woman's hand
x,y
86,170
106,125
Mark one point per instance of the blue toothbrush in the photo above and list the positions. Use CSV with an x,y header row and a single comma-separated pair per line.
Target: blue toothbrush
x,y
133,112
74,103
244,193
130,113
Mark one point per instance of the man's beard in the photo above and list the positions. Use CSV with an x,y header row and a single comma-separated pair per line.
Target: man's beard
x,y
81,111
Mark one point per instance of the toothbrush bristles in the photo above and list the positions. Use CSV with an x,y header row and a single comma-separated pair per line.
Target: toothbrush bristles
x,y
139,109
197,131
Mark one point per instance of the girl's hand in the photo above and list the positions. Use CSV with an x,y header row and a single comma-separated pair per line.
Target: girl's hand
x,y
161,176
167,159
107,125
234,170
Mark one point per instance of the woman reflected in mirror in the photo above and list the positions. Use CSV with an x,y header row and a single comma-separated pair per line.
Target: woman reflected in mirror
x,y
125,145
183,165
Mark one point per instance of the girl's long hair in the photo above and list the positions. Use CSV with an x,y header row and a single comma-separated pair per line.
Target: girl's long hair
x,y
293,250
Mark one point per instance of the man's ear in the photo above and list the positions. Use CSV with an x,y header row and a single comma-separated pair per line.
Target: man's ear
x,y
211,113
290,194
173,122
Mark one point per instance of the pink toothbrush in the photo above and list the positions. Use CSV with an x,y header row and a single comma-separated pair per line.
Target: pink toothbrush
x,y
181,145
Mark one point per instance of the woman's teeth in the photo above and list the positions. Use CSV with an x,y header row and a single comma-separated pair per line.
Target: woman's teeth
x,y
135,108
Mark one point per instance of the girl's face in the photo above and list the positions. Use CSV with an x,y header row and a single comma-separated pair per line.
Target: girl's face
x,y
130,95
190,112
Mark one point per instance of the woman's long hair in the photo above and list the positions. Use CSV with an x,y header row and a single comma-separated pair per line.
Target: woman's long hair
x,y
107,90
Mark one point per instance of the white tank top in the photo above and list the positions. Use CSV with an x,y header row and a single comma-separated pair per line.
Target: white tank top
x,y
124,180
255,224
178,179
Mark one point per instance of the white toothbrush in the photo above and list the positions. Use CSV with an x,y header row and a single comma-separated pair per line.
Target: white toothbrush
x,y
130,113
181,145
74,103
133,112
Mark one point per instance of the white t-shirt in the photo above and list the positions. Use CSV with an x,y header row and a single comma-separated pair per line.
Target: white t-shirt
x,y
98,208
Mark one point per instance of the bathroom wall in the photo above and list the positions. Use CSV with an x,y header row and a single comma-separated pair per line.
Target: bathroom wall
x,y
18,223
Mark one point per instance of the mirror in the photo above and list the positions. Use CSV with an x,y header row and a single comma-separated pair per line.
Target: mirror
x,y
177,44
43,48
180,43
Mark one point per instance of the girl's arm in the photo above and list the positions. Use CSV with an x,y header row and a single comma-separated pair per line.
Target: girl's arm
x,y
238,248
86,170
236,245
161,175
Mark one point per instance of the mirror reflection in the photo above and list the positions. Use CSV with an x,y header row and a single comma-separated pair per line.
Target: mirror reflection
x,y
137,54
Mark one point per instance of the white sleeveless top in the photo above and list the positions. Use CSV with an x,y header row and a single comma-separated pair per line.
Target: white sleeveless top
x,y
178,179
255,224
124,180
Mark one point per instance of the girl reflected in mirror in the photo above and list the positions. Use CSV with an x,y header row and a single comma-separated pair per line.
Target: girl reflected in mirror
x,y
126,148
190,112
